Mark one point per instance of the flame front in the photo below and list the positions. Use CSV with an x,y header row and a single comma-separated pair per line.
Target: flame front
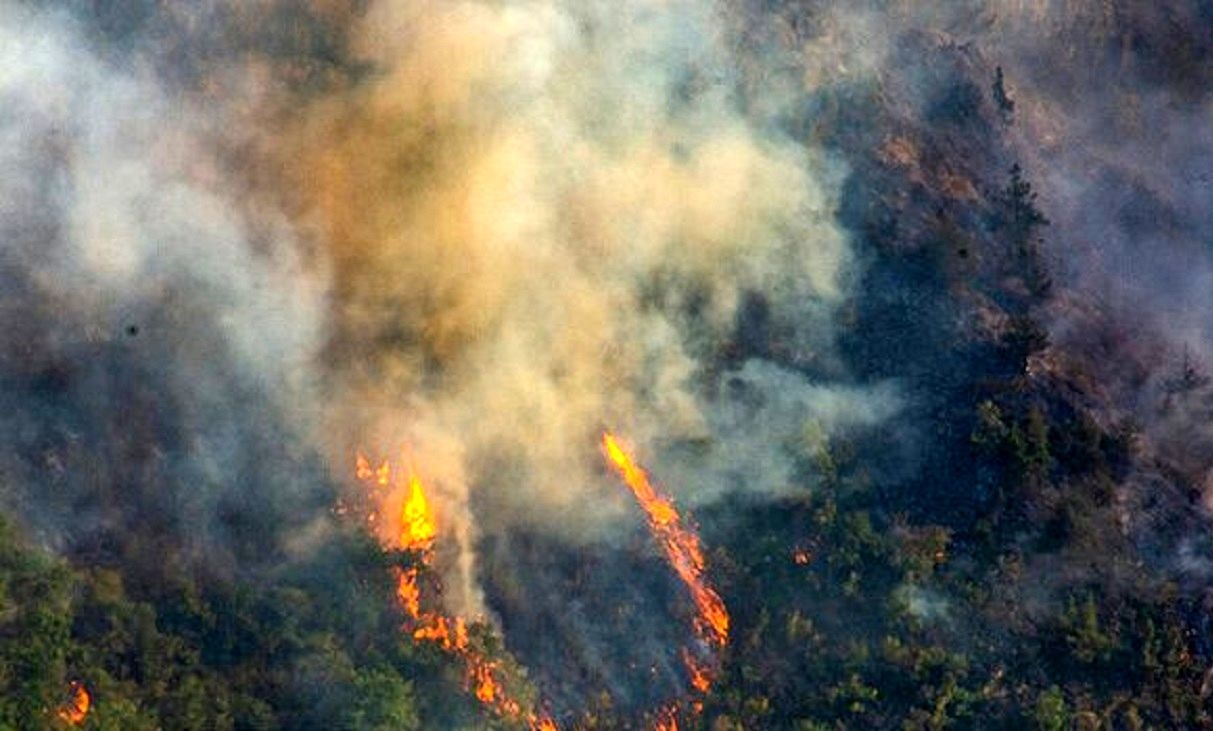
x,y
681,545
417,532
682,549
76,710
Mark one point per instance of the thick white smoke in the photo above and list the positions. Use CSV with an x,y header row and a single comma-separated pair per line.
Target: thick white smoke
x,y
525,222
544,218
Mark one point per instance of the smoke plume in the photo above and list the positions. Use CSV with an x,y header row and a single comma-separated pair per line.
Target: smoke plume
x,y
547,218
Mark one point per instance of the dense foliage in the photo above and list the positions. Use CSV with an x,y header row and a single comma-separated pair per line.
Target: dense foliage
x,y
319,647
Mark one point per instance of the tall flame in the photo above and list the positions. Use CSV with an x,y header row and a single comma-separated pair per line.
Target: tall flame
x,y
76,710
681,544
682,549
417,532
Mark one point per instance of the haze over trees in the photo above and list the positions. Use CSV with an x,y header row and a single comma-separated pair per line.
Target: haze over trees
x,y
948,466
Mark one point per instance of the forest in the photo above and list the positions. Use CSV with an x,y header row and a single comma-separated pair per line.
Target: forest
x,y
899,311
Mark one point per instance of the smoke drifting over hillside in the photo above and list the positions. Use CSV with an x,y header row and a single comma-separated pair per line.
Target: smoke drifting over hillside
x,y
242,242
490,232
547,218
1109,117
159,334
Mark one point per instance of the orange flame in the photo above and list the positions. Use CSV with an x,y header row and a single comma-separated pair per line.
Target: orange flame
x,y
681,545
667,720
418,530
408,592
75,711
701,676
450,635
682,549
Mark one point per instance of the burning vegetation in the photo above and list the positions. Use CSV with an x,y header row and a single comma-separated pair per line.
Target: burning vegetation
x,y
415,530
76,709
682,550
905,302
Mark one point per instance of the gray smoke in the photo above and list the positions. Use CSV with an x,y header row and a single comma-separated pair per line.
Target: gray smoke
x,y
159,332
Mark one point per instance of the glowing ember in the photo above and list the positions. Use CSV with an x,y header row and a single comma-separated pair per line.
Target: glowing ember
x,y
362,468
701,678
667,720
75,711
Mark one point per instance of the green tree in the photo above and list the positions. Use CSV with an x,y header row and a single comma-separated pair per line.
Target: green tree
x,y
35,622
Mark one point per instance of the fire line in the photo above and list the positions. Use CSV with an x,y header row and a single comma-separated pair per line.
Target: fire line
x,y
417,532
682,550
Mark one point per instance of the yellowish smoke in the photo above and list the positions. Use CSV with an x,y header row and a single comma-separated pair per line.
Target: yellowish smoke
x,y
542,216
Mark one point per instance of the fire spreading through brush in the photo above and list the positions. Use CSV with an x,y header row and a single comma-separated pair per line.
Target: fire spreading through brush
x,y
76,709
682,550
416,531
